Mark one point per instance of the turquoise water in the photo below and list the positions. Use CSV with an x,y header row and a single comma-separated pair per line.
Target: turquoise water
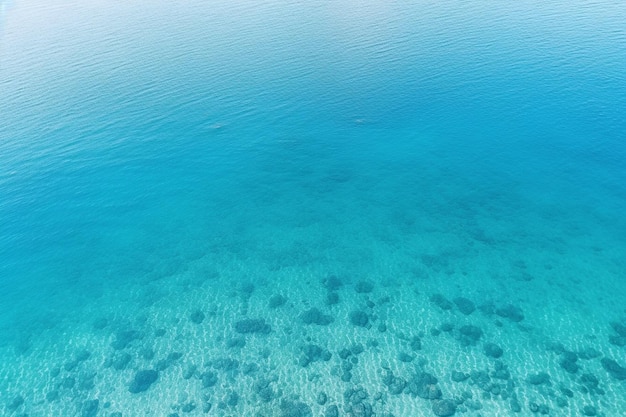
x,y
161,160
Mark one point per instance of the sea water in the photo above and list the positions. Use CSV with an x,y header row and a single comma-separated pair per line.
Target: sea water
x,y
301,208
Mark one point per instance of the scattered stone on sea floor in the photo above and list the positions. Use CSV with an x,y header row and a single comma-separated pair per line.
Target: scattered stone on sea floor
x,y
250,368
459,376
619,341
206,405
447,327
188,407
561,402
277,300
345,353
123,338
143,380
619,328
163,364
197,316
208,378
469,335
315,316
364,287
405,357
357,349
538,408
86,380
395,384
227,365
488,308
100,323
189,370
481,379
89,408
415,343
356,403
52,396
465,305
15,403
147,353
331,411
346,376
120,360
423,385
444,408
511,312
440,301
71,365
492,350
247,288
232,398
472,405
569,362
251,326
82,355
332,283
614,369
501,371
359,318
591,384
236,343
332,298
567,392
588,353
590,410
294,409
262,387
68,382
515,405
314,353
540,378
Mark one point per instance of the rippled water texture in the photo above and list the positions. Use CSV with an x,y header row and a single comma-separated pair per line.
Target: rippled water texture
x,y
248,179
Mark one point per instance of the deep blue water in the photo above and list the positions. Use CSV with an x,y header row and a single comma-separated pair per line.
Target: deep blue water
x,y
138,138
122,121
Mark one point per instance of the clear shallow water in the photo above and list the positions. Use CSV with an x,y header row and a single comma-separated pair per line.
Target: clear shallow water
x,y
446,147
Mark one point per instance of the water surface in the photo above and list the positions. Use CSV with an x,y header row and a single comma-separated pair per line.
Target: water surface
x,y
159,159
